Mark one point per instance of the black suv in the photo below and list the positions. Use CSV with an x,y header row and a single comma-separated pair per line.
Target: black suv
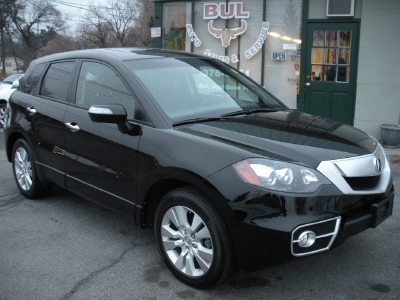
x,y
225,174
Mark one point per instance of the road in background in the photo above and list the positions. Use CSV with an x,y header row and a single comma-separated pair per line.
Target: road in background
x,y
64,247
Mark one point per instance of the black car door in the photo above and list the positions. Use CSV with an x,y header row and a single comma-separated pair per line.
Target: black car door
x,y
101,161
45,109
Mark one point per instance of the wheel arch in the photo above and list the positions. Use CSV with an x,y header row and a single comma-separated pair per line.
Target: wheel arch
x,y
11,140
154,193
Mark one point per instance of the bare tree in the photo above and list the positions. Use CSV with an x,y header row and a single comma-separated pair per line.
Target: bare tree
x,y
61,43
140,35
96,34
36,22
114,23
4,24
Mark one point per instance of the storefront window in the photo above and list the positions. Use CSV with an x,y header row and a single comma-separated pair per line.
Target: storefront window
x,y
175,17
282,77
264,47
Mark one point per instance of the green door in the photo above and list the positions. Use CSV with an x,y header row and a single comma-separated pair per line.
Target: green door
x,y
330,71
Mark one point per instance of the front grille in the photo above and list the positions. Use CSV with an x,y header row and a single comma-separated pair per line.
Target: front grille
x,y
362,183
325,232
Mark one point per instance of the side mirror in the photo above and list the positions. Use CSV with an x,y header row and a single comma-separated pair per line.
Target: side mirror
x,y
15,84
115,114
108,114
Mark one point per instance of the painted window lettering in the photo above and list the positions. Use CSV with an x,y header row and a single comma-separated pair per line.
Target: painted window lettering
x,y
225,11
231,10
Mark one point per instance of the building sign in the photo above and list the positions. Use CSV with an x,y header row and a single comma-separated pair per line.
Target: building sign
x,y
278,55
193,35
289,46
155,32
259,42
225,11
226,35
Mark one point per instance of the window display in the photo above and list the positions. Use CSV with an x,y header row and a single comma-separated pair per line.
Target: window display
x,y
261,39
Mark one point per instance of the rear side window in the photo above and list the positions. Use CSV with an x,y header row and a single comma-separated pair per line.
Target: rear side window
x,y
56,81
30,81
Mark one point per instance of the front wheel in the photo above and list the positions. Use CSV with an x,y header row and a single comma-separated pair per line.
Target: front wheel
x,y
24,170
192,238
3,107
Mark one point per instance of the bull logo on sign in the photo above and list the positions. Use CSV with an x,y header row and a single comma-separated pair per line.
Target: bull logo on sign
x,y
226,35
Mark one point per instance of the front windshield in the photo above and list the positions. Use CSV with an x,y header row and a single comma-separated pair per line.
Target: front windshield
x,y
10,79
187,88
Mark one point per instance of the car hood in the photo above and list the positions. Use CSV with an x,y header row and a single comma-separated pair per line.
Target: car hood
x,y
5,86
289,136
6,93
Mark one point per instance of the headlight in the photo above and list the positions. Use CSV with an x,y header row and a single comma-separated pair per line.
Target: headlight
x,y
280,176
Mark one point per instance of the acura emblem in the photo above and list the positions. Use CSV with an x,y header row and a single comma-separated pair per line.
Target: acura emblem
x,y
378,165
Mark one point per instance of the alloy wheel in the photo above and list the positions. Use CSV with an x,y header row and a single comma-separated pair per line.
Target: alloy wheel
x,y
187,241
23,168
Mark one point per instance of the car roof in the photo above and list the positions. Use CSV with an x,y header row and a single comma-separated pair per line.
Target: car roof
x,y
122,54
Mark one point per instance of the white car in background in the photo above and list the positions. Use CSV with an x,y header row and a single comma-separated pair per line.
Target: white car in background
x,y
7,87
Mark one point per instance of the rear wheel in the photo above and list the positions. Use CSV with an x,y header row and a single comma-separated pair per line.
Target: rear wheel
x,y
192,238
25,173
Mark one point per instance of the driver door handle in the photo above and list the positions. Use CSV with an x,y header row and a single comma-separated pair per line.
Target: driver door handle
x,y
72,126
31,110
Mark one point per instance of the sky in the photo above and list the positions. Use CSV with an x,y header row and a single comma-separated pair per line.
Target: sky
x,y
74,9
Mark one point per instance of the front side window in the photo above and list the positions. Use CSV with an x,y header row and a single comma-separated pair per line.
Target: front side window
x,y
56,81
98,84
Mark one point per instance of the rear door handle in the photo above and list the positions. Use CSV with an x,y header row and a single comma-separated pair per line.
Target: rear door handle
x,y
72,126
31,110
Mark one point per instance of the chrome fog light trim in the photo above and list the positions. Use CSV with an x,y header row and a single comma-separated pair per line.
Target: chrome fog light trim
x,y
314,237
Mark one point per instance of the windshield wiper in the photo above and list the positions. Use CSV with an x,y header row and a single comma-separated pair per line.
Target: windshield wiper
x,y
251,111
197,120
226,116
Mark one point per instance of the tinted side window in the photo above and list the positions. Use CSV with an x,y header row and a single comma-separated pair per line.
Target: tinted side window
x,y
56,81
31,79
99,84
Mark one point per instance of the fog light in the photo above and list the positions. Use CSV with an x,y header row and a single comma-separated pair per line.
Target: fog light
x,y
306,239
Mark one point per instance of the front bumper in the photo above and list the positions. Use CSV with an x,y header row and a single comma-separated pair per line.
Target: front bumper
x,y
328,232
265,226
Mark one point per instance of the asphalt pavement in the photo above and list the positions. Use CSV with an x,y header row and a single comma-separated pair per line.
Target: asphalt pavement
x,y
64,247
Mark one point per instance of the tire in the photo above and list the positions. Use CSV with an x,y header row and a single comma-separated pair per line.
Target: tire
x,y
25,172
2,114
192,238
